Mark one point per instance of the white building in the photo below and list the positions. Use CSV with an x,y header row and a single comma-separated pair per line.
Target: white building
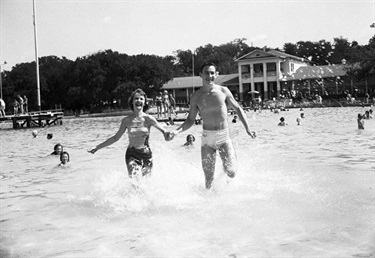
x,y
271,74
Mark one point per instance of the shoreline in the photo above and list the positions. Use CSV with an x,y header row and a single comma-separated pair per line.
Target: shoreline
x,y
182,111
152,111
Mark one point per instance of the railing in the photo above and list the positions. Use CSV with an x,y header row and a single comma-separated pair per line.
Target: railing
x,y
245,76
271,73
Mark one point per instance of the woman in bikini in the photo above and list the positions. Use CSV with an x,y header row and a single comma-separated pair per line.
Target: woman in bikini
x,y
138,155
166,104
158,103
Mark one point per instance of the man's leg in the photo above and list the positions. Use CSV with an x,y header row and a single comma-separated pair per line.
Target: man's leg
x,y
229,159
208,155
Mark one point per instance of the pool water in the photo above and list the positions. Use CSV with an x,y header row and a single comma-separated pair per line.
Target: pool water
x,y
301,191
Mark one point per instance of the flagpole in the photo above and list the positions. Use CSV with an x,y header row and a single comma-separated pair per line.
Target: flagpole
x,y
193,67
1,82
36,57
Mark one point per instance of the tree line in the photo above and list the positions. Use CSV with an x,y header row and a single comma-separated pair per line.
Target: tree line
x,y
107,78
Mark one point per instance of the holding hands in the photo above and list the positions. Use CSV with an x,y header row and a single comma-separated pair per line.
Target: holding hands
x,y
169,135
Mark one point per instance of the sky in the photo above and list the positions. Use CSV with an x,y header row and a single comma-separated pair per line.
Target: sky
x,y
76,28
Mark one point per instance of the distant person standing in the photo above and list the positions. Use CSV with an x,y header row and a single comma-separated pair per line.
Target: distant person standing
x,y
2,108
166,104
16,107
260,102
158,103
25,105
20,108
367,97
172,106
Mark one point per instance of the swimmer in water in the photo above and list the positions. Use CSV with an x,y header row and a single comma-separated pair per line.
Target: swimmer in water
x,y
282,122
58,149
361,122
190,139
64,158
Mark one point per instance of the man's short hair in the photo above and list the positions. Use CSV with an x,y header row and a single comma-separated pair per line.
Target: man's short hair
x,y
208,64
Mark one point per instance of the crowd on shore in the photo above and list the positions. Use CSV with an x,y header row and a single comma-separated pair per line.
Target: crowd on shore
x,y
20,106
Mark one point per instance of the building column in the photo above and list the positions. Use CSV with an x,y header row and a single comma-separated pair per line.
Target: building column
x,y
278,73
252,85
265,83
240,81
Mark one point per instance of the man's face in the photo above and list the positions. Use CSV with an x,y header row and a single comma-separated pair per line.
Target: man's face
x,y
209,74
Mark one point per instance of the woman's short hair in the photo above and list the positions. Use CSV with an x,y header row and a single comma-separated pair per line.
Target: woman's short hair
x,y
64,152
190,135
131,99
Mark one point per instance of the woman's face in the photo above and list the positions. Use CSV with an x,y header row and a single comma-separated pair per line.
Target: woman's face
x,y
64,158
139,101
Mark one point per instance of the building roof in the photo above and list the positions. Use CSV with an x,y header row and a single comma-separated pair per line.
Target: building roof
x,y
302,73
256,54
285,55
315,72
187,82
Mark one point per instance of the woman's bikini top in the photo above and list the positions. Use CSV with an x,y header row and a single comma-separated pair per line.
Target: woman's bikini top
x,y
166,99
138,134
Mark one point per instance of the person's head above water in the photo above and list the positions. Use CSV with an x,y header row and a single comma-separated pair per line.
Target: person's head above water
x,y
64,157
190,138
58,149
138,97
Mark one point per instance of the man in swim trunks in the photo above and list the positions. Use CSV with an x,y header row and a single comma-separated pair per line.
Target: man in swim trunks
x,y
138,155
211,101
158,103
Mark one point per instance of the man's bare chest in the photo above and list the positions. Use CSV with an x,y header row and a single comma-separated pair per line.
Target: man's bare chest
x,y
211,101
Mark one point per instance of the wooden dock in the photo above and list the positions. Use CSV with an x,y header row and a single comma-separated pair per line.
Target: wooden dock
x,y
35,119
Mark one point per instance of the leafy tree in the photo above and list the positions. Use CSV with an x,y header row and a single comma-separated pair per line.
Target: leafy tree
x,y
54,80
290,48
341,50
95,80
362,61
21,80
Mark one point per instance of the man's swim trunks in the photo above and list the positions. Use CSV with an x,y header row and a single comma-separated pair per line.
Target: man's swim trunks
x,y
143,157
215,139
